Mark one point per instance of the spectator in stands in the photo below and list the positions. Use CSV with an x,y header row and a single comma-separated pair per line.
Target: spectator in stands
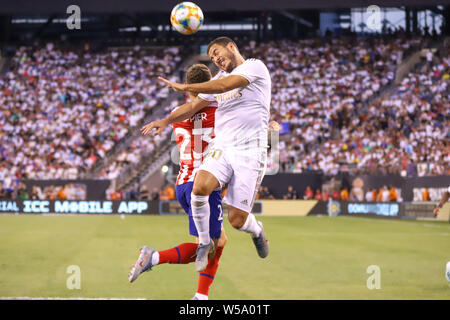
x,y
309,194
2,192
34,193
318,195
380,194
116,195
344,194
374,195
70,191
163,195
155,194
393,196
80,192
109,193
383,194
325,196
368,196
131,193
264,193
22,192
144,194
292,194
426,195
170,192
62,193
335,195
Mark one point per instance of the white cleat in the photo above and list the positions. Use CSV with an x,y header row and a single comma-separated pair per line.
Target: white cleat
x,y
143,263
201,261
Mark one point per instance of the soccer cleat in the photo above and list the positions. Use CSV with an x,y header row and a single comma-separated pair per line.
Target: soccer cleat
x,y
143,263
261,242
201,261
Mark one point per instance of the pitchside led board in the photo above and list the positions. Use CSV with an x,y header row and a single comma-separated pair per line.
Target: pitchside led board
x,y
76,207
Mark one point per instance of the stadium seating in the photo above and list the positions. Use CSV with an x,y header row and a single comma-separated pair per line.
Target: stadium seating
x,y
321,93
63,109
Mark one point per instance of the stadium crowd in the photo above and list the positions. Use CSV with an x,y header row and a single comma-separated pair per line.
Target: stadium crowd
x,y
136,151
321,92
62,109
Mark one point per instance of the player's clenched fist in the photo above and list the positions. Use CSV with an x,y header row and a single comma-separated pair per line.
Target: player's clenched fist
x,y
274,126
159,125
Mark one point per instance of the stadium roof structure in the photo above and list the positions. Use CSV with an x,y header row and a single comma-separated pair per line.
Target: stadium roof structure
x,y
147,6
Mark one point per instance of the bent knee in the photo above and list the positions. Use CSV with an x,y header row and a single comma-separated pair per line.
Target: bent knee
x,y
204,183
201,189
237,218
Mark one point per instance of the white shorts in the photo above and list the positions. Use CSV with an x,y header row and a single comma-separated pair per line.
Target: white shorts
x,y
242,173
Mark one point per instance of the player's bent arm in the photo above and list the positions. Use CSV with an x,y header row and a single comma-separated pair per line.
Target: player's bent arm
x,y
187,110
219,85
184,112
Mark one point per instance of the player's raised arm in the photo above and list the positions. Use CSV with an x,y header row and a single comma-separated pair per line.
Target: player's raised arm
x,y
210,87
184,112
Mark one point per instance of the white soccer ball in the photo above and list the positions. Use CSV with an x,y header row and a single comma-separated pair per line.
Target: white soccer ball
x,y
186,18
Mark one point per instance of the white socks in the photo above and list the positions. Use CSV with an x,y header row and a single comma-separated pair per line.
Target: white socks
x,y
200,296
155,258
251,226
200,214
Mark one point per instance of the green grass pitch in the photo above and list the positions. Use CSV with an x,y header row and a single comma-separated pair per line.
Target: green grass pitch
x,y
310,258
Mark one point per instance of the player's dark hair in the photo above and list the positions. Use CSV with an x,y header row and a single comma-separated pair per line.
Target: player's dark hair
x,y
222,41
198,73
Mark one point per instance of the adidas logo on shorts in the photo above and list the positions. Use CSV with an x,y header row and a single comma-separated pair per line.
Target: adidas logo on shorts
x,y
245,202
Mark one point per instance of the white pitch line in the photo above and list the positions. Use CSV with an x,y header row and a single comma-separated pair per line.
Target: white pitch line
x,y
61,298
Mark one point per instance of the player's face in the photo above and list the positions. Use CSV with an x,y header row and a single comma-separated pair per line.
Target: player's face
x,y
223,57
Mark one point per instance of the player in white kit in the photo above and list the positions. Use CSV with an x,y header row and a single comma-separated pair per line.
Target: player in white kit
x,y
238,154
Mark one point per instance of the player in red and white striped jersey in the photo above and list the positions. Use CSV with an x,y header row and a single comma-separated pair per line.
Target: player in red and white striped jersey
x,y
193,136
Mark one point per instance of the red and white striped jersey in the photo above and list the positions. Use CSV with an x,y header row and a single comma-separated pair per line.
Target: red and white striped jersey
x,y
193,137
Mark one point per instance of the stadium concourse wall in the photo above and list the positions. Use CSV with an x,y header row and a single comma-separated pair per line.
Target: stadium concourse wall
x,y
93,189
410,188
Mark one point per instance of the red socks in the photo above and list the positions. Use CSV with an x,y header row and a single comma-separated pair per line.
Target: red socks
x,y
184,253
206,277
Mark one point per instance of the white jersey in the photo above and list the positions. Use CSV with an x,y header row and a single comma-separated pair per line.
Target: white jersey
x,y
242,116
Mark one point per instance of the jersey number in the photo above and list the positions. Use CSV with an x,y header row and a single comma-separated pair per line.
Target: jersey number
x,y
205,135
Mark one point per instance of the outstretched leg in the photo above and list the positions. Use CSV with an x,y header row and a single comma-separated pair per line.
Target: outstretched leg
x,y
244,221
148,258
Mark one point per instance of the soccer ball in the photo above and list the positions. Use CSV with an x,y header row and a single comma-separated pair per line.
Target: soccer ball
x,y
186,18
